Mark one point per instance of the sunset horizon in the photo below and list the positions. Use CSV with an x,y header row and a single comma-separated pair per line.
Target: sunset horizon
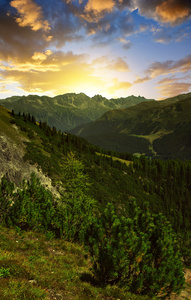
x,y
115,48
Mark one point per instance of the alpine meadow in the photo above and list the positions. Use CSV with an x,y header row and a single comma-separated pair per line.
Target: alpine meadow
x,y
95,150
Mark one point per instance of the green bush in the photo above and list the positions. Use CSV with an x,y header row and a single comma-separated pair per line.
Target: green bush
x,y
137,250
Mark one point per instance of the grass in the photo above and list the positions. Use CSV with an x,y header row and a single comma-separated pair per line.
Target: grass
x,y
127,162
33,267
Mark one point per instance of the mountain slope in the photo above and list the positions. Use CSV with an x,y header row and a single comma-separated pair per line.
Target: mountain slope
x,y
69,110
85,175
156,128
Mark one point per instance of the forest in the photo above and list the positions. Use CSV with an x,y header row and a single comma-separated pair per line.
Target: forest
x,y
132,215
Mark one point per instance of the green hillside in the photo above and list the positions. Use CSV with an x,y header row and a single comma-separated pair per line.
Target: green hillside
x,y
69,110
154,128
115,218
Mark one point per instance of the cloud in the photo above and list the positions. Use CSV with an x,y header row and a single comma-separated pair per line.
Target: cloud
x,y
16,41
162,36
165,11
126,44
59,72
165,35
118,85
23,42
169,66
172,86
173,11
39,56
3,88
112,26
117,64
30,14
169,86
141,80
98,6
164,68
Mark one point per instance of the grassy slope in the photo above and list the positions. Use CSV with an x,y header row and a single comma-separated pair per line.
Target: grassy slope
x,y
38,268
5,127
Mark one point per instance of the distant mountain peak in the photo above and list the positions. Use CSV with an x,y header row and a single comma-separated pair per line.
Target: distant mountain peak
x,y
69,110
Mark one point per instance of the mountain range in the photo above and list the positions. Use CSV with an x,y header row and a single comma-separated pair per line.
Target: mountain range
x,y
155,128
160,129
69,110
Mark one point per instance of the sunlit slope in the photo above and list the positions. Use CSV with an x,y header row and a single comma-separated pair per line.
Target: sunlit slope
x,y
156,128
69,110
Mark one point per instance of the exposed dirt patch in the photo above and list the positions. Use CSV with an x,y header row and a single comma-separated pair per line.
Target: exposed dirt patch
x,y
186,293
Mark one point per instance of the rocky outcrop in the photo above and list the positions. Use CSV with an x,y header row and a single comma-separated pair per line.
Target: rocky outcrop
x,y
13,166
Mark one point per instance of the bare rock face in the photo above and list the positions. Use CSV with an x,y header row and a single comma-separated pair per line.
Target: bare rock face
x,y
11,161
15,169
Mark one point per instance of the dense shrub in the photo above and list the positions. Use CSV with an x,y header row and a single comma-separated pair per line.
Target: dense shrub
x,y
137,250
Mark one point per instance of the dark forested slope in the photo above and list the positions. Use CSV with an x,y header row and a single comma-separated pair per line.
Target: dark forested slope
x,y
154,128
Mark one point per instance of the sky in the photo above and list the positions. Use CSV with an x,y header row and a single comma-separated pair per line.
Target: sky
x,y
114,48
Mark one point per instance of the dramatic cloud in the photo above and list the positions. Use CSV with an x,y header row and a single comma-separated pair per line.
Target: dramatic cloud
x,y
99,5
166,11
172,11
16,41
81,45
30,15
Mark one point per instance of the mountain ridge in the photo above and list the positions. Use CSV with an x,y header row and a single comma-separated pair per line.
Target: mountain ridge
x,y
68,110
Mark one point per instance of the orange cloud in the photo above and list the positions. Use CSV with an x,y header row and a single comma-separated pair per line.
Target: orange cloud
x,y
99,5
165,11
40,56
96,9
172,10
30,15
